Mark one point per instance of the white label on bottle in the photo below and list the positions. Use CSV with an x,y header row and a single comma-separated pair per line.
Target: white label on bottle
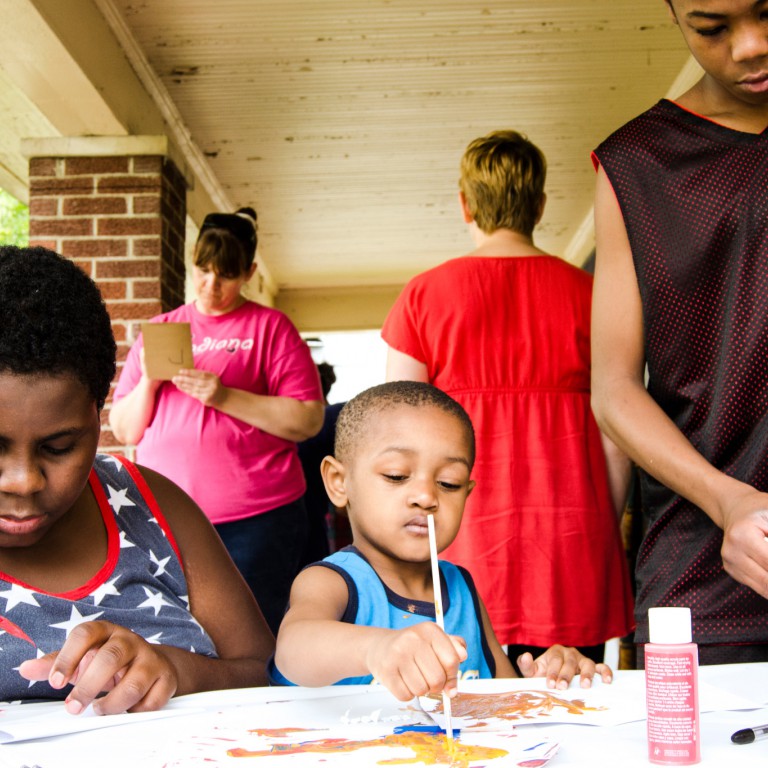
x,y
671,698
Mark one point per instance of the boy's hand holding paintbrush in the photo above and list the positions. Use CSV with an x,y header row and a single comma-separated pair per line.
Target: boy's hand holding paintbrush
x,y
416,661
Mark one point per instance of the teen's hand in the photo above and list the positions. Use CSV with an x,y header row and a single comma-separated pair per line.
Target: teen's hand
x,y
745,540
559,665
202,385
100,657
416,661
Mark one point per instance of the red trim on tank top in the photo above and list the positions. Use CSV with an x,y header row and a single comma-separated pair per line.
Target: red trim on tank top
x,y
113,537
154,507
714,122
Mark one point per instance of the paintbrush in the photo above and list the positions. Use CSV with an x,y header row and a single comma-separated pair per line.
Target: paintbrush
x,y
439,617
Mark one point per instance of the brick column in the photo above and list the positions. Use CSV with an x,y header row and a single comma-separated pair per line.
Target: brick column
x,y
117,207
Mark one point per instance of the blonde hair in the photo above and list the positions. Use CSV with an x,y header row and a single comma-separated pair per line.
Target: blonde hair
x,y
502,180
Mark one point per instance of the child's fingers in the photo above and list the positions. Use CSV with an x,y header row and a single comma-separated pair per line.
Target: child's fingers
x,y
605,672
136,692
143,362
459,645
404,679
93,658
527,665
397,686
561,665
102,674
586,669
558,665
419,660
449,662
430,666
137,676
68,663
422,675
37,669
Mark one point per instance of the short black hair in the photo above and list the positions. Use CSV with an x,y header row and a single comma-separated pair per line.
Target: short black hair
x,y
53,320
353,417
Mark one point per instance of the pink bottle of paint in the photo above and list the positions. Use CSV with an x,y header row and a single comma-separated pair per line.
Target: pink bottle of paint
x,y
672,688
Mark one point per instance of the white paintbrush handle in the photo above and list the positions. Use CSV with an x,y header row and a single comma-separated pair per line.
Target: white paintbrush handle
x,y
435,574
439,613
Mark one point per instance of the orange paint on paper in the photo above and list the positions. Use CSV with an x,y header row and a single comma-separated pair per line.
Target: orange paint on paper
x,y
428,749
277,733
514,705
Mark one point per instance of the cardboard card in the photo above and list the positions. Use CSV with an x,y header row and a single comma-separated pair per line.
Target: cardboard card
x,y
167,348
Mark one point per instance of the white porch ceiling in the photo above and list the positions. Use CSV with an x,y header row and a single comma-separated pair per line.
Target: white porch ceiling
x,y
342,122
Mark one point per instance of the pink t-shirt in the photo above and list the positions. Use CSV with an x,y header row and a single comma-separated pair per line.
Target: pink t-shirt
x,y
231,469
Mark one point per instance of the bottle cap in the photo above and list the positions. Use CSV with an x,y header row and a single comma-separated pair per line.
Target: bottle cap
x,y
670,626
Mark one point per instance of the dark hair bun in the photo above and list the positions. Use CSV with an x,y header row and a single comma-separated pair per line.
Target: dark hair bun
x,y
241,225
248,211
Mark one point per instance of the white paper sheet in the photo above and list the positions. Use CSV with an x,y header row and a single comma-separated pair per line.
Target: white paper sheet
x,y
41,721
482,705
344,730
292,735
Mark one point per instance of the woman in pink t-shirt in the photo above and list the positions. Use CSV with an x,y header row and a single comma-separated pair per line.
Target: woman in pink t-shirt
x,y
226,431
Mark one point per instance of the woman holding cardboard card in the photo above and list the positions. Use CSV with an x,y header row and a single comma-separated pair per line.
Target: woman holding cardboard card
x,y
226,431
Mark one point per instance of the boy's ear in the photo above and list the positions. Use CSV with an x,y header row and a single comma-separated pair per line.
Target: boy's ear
x,y
472,484
334,474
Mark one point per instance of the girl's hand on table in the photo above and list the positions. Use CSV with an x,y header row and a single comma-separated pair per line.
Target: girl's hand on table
x,y
100,657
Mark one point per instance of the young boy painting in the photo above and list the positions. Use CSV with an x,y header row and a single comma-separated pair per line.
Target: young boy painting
x,y
403,451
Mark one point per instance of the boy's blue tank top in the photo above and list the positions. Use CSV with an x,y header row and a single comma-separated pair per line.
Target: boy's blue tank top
x,y
372,604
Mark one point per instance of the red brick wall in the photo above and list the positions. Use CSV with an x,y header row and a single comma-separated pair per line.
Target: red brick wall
x,y
122,219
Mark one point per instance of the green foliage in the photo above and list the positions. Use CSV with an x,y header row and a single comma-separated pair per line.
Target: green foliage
x,y
14,221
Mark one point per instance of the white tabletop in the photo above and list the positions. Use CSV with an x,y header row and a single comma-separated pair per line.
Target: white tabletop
x,y
199,729
625,746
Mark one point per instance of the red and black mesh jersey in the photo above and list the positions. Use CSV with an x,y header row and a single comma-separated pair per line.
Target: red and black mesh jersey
x,y
694,198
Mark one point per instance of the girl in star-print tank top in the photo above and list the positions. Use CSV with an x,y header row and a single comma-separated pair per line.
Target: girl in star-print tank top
x,y
111,579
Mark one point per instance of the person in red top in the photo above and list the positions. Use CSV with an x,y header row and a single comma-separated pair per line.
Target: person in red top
x,y
505,330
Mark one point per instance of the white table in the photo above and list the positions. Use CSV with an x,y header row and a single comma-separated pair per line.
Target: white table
x,y
625,746
151,743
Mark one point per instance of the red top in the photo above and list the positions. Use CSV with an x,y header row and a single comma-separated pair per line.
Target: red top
x,y
509,339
